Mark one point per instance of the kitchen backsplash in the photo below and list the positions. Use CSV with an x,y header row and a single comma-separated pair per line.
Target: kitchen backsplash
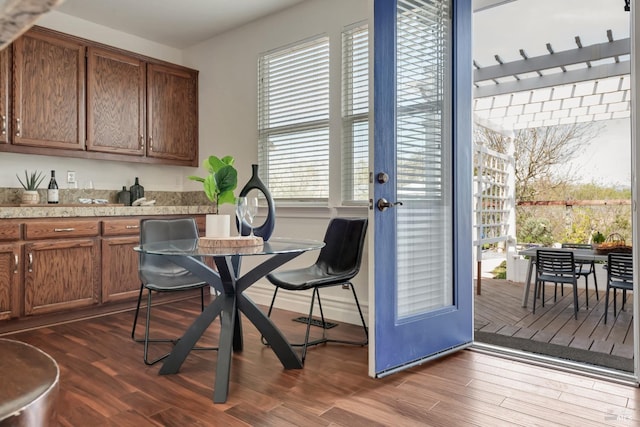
x,y
71,196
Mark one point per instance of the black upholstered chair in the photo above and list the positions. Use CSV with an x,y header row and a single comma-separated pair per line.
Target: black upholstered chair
x,y
158,274
557,267
337,264
585,269
619,276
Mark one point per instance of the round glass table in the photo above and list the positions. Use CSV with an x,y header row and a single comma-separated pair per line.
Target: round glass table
x,y
231,300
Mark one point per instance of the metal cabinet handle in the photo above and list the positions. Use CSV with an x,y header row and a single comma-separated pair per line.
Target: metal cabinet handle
x,y
59,230
141,141
150,143
16,263
18,127
30,262
129,227
4,124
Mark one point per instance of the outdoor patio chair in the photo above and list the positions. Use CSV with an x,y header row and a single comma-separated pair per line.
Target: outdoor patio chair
x,y
584,269
619,276
556,267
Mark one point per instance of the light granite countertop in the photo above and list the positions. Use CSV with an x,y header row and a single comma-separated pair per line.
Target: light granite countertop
x,y
41,211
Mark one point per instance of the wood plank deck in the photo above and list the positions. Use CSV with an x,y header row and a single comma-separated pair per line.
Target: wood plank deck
x,y
498,310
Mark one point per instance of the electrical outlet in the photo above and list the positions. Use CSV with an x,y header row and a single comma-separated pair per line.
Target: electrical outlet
x,y
71,177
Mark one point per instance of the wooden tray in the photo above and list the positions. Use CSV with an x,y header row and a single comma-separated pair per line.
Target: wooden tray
x,y
605,250
229,242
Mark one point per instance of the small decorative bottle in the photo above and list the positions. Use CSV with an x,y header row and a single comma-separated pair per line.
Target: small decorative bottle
x,y
255,183
52,190
137,191
124,196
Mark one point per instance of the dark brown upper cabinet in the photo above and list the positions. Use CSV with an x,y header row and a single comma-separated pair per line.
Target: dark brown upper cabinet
x,y
115,102
5,78
172,107
48,91
137,109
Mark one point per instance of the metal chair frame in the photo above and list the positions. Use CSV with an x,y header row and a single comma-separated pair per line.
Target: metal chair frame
x,y
156,281
619,276
556,267
327,279
584,269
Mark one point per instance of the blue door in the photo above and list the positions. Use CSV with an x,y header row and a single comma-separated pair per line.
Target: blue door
x,y
422,240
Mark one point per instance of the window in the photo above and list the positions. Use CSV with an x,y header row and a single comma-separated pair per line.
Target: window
x,y
355,114
293,120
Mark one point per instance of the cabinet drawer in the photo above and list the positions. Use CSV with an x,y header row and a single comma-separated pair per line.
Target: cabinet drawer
x,y
120,227
58,229
10,231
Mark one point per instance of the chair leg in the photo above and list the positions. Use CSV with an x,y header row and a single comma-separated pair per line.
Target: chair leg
x,y
146,340
586,289
595,282
606,304
575,300
535,295
364,325
306,336
135,318
615,309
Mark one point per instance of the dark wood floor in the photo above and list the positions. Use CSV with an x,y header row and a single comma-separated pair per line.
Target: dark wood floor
x,y
105,383
499,310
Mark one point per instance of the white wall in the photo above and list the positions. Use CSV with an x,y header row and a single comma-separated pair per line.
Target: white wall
x,y
228,121
104,174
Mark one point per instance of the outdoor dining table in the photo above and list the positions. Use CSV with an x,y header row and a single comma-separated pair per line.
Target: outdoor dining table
x,y
231,299
579,255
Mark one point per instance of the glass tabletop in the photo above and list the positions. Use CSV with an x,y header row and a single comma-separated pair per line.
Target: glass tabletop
x,y
190,247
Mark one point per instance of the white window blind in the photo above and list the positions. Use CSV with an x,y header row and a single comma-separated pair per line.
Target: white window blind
x,y
293,120
355,114
424,165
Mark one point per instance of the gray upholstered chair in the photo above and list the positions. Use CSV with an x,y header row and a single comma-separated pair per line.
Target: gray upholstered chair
x,y
158,274
337,264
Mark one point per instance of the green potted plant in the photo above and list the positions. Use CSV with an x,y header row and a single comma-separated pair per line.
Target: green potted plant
x,y
30,184
218,185
597,238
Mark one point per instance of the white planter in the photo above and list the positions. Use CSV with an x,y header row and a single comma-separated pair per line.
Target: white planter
x,y
218,225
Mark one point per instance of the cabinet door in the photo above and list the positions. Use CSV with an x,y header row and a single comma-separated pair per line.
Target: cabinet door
x,y
119,269
115,103
61,274
172,113
48,91
4,94
10,280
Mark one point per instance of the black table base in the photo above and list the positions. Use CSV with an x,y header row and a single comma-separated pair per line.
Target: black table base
x,y
228,305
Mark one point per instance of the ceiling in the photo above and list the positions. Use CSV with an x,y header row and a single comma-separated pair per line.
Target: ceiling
x,y
178,24
184,23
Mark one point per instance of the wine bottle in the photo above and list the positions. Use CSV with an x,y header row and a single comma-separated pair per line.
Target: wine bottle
x,y
137,191
52,190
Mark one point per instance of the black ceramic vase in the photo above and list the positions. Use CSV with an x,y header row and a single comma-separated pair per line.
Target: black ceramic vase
x,y
266,229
